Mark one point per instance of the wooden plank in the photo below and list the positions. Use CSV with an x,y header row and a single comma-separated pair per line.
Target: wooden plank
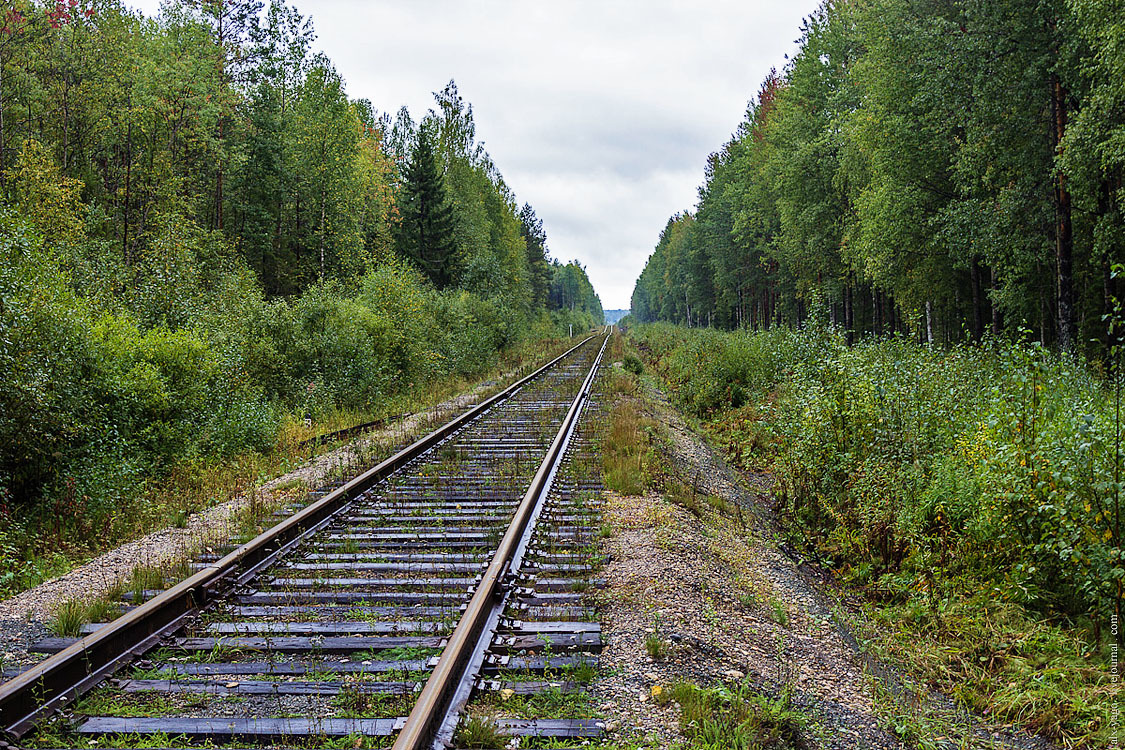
x,y
395,533
347,627
534,687
265,687
293,669
294,644
391,504
561,626
312,583
391,567
537,664
568,584
411,544
225,729
454,598
553,727
432,521
552,598
399,556
329,611
553,612
554,569
51,645
536,642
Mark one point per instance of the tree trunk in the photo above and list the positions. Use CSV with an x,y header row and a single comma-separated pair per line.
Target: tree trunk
x,y
978,302
929,323
322,230
128,194
1064,239
2,143
996,320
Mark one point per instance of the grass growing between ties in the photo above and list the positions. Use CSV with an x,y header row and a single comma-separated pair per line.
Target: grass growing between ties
x,y
968,495
356,702
480,732
552,703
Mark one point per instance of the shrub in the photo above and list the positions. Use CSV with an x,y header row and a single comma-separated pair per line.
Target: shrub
x,y
897,460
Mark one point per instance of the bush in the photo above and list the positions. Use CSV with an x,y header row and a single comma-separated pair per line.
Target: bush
x,y
972,491
897,460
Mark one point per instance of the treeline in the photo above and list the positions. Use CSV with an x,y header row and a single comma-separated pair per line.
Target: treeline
x,y
202,233
942,168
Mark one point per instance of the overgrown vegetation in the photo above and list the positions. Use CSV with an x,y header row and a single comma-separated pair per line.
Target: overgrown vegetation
x,y
970,493
480,732
627,450
211,249
734,717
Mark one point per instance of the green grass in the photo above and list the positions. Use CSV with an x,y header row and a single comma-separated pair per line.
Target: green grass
x,y
736,717
779,612
110,702
355,702
627,444
656,647
480,732
550,704
399,653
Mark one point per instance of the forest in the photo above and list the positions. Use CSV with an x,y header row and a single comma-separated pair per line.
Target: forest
x,y
946,169
204,238
898,297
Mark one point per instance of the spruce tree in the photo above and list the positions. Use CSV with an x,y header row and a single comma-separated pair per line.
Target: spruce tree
x,y
539,271
426,233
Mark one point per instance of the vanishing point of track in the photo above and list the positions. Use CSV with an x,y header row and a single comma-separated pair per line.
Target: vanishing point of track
x,y
459,565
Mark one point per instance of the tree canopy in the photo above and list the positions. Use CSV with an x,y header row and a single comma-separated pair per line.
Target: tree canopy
x,y
946,169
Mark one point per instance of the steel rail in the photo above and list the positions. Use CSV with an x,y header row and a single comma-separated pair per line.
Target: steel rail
x,y
448,685
49,686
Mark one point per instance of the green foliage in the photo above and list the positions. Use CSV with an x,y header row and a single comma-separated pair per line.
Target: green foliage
x,y
627,450
571,291
480,732
632,363
200,248
425,235
656,647
928,475
940,168
735,716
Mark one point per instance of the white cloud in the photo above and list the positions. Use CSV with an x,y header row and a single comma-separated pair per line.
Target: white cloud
x,y
599,114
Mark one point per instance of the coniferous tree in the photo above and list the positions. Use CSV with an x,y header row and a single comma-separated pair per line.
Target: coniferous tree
x,y
426,233
539,271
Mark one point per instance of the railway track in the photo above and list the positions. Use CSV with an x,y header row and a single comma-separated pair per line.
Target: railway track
x,y
452,578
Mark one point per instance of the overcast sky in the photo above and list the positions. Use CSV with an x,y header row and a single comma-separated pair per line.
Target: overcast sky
x,y
598,114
